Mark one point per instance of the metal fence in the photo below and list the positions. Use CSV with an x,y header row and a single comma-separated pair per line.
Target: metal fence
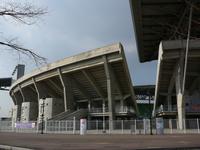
x,y
102,127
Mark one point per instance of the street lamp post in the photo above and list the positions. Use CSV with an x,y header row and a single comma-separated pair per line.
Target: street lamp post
x,y
42,116
150,113
104,116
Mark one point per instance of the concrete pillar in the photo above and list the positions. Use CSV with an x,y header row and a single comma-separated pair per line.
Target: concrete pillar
x,y
52,107
29,106
67,91
180,94
22,94
169,103
29,111
181,110
41,93
16,111
110,100
110,88
122,105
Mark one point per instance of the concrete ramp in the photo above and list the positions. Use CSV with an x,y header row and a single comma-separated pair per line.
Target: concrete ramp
x,y
61,115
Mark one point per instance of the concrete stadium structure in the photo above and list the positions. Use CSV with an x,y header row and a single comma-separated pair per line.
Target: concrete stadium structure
x,y
168,30
94,84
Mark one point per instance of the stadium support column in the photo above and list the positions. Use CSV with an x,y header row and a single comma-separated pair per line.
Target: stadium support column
x,y
28,95
22,94
41,94
180,94
171,87
110,87
13,98
67,91
19,105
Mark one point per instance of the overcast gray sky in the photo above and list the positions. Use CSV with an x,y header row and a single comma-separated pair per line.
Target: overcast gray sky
x,y
71,27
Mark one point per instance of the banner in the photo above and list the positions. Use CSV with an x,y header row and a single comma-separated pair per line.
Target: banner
x,y
24,125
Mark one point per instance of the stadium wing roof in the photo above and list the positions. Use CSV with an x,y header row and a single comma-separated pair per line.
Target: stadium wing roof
x,y
157,20
170,52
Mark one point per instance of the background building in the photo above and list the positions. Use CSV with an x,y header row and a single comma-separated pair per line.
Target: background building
x,y
145,99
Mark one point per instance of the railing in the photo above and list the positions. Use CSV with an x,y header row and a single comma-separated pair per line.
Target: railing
x,y
165,108
119,110
191,126
124,110
9,126
98,110
173,108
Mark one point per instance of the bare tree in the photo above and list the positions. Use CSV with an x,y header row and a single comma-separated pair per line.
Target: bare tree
x,y
24,13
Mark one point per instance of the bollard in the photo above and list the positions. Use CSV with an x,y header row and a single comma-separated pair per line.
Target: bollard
x,y
83,126
159,126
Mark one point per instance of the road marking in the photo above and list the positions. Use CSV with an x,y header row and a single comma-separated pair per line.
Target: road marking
x,y
6,147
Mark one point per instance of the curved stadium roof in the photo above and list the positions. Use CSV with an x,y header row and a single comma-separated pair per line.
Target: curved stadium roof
x,y
86,71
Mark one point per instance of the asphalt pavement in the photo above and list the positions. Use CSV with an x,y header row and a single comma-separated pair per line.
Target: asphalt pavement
x,y
99,142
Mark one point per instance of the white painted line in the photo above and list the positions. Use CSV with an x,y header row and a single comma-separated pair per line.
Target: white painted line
x,y
6,147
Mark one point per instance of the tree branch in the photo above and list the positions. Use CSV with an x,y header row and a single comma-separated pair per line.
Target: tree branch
x,y
37,58
24,13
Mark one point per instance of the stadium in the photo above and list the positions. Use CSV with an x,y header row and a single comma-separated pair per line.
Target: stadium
x,y
95,85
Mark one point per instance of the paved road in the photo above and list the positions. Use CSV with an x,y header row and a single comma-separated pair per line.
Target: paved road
x,y
98,142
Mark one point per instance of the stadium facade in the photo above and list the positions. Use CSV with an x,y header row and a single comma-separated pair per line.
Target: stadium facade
x,y
168,31
94,85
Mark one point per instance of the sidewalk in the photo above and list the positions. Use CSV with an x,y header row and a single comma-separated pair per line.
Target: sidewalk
x,y
98,142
